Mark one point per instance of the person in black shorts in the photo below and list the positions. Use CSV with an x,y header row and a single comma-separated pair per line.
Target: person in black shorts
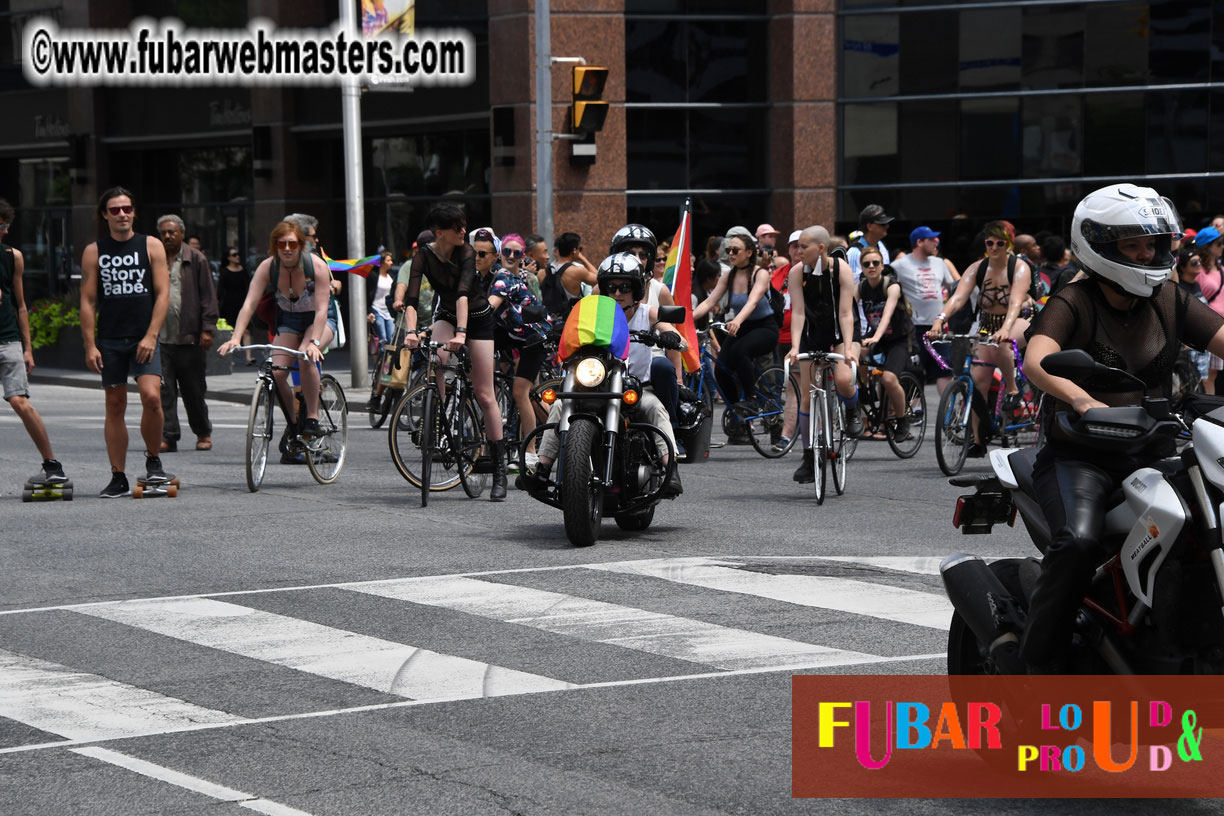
x,y
463,317
890,328
124,277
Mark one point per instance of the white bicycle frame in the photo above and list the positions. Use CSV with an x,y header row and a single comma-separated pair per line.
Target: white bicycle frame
x,y
818,395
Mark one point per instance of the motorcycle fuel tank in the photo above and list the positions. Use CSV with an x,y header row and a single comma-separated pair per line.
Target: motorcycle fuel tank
x,y
1155,515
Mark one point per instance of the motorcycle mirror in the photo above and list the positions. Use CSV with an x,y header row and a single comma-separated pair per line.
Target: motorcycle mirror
x,y
672,314
1078,365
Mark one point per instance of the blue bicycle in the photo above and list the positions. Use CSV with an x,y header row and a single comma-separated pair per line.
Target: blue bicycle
x,y
773,392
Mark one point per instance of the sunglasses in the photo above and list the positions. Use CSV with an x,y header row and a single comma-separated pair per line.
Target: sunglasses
x,y
1192,262
484,253
126,209
661,260
512,253
617,288
291,244
993,243
641,254
735,250
873,263
233,254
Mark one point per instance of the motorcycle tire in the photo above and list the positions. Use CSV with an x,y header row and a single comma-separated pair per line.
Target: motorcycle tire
x,y
581,498
634,522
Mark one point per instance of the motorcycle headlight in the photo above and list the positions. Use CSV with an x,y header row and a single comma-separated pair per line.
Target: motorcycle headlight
x,y
590,372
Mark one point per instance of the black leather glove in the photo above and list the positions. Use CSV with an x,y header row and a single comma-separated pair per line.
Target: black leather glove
x,y
533,313
688,394
669,340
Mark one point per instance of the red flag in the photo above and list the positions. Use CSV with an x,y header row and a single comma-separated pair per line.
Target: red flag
x,y
679,277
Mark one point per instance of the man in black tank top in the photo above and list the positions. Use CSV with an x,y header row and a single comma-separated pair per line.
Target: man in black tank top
x,y
125,278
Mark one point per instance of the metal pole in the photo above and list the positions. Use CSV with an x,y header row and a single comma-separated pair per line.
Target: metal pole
x,y
544,134
354,200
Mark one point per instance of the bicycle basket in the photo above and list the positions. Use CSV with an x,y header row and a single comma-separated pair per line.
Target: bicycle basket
x,y
961,348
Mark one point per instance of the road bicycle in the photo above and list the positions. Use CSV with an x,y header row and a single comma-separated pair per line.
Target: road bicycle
x,y
875,408
325,453
1017,427
383,391
826,423
437,437
772,388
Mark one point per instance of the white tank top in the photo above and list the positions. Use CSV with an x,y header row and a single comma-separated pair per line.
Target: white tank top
x,y
639,355
652,302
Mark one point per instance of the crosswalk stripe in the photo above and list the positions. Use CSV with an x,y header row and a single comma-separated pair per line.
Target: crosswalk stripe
x,y
842,594
601,622
395,668
80,706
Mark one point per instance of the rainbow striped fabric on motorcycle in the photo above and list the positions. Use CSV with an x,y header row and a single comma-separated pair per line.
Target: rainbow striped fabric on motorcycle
x,y
596,320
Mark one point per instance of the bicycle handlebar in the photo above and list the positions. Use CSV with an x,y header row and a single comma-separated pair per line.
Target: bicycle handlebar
x,y
823,356
270,347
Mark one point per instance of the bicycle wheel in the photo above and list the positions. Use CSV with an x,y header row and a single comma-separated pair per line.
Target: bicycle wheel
x,y
404,433
503,387
259,435
820,448
1022,423
381,400
915,415
465,442
327,458
953,431
839,454
773,388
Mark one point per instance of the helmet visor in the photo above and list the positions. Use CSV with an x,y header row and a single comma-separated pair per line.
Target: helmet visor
x,y
1146,216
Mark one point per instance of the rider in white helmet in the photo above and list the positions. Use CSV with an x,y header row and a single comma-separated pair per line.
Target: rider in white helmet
x,y
1124,316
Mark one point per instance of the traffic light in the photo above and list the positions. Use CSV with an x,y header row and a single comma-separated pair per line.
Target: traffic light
x,y
588,113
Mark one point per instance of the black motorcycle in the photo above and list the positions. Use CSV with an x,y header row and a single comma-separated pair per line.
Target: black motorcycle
x,y
608,463
1157,597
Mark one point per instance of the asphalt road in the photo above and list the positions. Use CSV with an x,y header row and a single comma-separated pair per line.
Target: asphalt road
x,y
339,650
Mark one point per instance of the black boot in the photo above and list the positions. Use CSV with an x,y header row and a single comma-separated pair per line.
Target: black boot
x,y
498,491
806,472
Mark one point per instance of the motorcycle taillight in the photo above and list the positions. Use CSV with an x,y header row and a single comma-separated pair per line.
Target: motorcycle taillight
x,y
956,517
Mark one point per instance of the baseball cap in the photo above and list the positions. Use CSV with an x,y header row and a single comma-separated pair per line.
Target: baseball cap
x,y
873,214
473,236
423,237
1205,236
794,237
921,233
766,229
743,234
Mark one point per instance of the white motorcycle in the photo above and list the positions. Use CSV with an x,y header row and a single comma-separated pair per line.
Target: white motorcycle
x,y
1156,605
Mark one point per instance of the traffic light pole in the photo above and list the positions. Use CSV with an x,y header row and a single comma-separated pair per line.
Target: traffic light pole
x,y
544,133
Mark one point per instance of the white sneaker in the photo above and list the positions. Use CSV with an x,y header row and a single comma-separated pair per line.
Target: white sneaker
x,y
532,459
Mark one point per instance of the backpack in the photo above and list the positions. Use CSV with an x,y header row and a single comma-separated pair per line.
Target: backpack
x,y
777,302
552,291
1034,278
903,305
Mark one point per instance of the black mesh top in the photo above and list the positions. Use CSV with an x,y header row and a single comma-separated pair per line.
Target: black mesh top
x,y
450,279
1143,341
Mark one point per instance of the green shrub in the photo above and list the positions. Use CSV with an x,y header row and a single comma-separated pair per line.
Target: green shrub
x,y
47,317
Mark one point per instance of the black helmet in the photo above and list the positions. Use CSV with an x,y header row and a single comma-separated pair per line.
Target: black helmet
x,y
633,235
623,266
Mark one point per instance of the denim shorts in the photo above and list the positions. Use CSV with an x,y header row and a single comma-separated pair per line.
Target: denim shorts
x,y
119,359
299,322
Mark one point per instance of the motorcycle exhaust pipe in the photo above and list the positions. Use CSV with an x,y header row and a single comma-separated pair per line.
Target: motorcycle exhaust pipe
x,y
985,604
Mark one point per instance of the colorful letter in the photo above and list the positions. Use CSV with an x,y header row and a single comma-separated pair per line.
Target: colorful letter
x,y
984,717
949,728
912,731
862,735
1159,757
1160,714
828,722
1050,758
1102,736
1026,754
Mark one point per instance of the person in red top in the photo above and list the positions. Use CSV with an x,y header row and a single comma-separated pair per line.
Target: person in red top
x,y
779,281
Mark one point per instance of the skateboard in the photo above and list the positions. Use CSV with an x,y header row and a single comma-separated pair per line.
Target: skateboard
x,y
39,490
146,488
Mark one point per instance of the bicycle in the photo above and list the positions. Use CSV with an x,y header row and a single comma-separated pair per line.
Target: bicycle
x,y
437,440
1020,427
772,387
383,395
827,423
876,410
324,453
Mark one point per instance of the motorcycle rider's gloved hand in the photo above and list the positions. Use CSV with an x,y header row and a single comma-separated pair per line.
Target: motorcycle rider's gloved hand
x,y
670,340
688,394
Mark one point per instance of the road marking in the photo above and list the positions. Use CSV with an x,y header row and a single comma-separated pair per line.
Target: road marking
x,y
81,706
191,783
383,665
600,622
919,565
306,715
819,591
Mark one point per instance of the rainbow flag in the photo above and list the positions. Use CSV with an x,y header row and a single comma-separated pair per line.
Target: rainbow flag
x,y
360,266
596,320
679,279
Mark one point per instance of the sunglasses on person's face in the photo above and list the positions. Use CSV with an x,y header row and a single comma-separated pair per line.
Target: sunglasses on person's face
x,y
484,253
617,288
734,250
512,253
661,260
126,209
870,264
290,244
1195,262
641,254
992,243
233,254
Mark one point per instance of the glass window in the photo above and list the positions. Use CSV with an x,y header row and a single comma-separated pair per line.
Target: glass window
x,y
1217,43
1113,134
928,141
656,149
989,139
1180,41
1053,47
990,49
871,49
869,143
43,182
212,14
1215,149
215,174
1177,132
1053,136
1115,44
728,148
655,61
727,60
430,164
928,61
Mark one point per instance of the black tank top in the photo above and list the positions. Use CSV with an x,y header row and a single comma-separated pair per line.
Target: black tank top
x,y
125,287
821,295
